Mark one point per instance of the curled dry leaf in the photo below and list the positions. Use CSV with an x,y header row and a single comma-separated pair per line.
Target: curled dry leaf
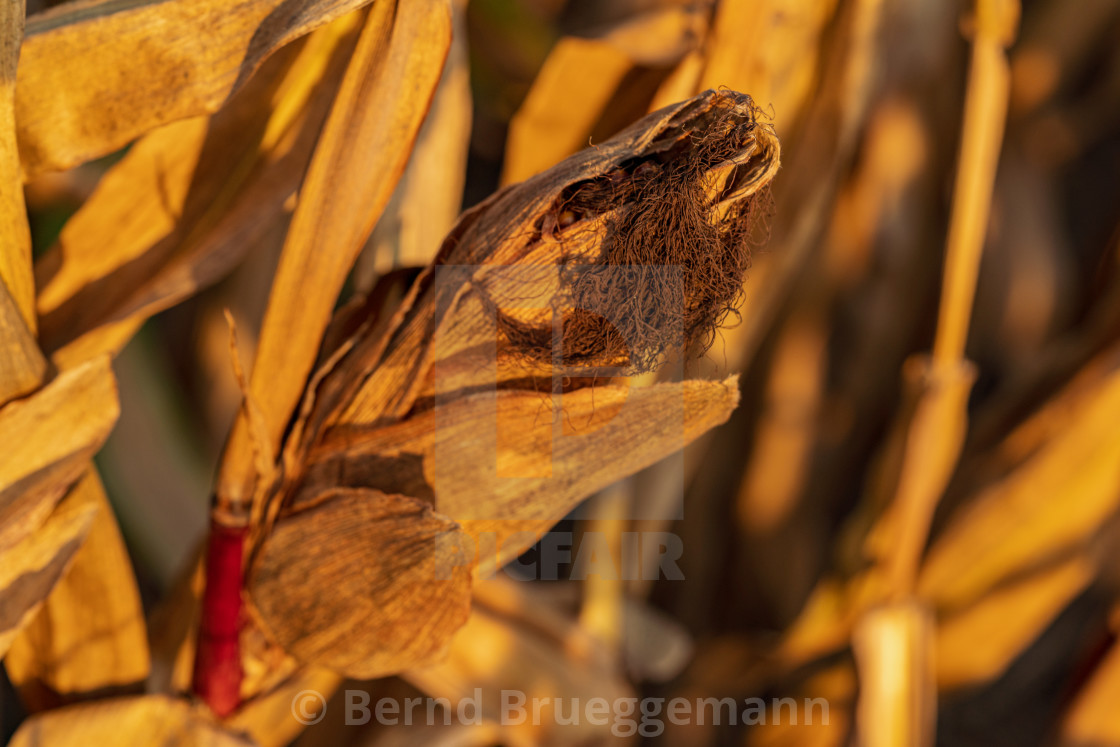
x,y
361,154
22,365
90,634
394,589
146,720
95,76
59,428
30,568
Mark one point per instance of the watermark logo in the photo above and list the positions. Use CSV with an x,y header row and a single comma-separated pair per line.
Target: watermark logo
x,y
309,707
623,717
632,556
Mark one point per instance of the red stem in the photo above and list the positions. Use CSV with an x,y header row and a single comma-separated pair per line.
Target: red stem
x,y
217,663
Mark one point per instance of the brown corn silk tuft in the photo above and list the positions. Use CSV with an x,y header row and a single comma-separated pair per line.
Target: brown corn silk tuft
x,y
675,245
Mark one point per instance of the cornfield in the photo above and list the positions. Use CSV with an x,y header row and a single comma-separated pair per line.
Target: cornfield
x,y
560,372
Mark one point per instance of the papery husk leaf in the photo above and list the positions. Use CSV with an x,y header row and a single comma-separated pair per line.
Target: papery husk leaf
x,y
380,379
128,722
95,76
396,592
456,455
90,634
49,439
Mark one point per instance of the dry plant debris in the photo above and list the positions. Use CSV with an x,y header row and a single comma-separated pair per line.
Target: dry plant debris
x,y
872,396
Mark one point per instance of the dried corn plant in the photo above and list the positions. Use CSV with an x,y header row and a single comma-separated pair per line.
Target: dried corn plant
x,y
325,324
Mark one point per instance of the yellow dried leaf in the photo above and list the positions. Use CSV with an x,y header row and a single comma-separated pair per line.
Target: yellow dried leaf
x,y
30,568
428,198
95,76
590,85
145,720
188,201
1050,505
363,149
554,122
22,365
976,644
771,48
49,438
1091,718
15,237
90,634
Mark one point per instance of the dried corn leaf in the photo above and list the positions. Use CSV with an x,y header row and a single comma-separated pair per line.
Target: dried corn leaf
x,y
128,722
977,644
15,237
1050,505
90,634
49,439
188,201
95,76
587,86
22,365
1091,718
771,48
363,150
399,610
30,568
428,198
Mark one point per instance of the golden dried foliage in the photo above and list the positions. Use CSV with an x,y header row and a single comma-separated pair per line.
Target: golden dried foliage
x,y
900,470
